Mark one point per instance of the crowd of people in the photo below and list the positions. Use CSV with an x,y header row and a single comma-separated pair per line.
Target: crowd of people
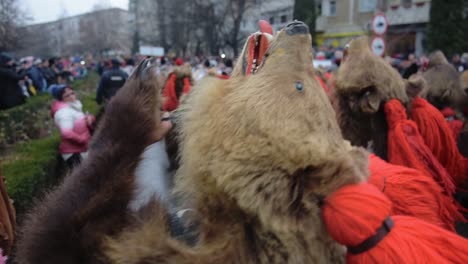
x,y
406,64
30,76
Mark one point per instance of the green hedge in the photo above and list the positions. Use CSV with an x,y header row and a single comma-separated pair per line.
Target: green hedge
x,y
32,166
31,169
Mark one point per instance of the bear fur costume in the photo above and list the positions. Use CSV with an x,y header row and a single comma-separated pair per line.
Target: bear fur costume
x,y
444,87
256,153
69,225
360,96
255,163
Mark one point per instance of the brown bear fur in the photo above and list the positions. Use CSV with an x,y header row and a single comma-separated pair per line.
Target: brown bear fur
x,y
444,88
68,226
363,83
464,81
256,154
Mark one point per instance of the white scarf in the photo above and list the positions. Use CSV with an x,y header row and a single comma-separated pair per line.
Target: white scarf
x,y
76,105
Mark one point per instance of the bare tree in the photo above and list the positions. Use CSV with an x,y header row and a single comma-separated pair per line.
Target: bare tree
x,y
191,27
208,22
11,17
234,11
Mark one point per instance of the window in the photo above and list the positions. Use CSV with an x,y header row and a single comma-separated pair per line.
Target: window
x,y
332,8
272,20
406,3
367,5
284,19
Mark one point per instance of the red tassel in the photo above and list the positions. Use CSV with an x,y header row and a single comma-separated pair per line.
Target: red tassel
x,y
456,127
323,84
353,215
170,96
414,194
439,138
406,147
454,124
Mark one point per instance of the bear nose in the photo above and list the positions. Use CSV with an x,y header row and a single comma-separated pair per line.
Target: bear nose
x,y
297,27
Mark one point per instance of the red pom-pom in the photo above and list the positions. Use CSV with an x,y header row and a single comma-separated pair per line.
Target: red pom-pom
x,y
354,213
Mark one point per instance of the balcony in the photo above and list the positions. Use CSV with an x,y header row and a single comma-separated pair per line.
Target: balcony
x,y
412,14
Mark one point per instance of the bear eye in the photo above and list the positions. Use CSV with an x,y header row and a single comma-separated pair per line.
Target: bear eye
x,y
299,86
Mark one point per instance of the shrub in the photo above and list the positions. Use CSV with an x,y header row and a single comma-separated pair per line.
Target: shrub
x,y
29,170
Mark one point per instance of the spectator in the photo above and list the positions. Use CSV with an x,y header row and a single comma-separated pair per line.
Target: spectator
x,y
129,65
457,63
74,125
35,75
10,91
48,72
228,68
199,74
412,68
111,82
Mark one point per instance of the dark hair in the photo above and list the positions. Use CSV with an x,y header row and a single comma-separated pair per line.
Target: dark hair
x,y
130,62
66,75
57,90
228,63
207,63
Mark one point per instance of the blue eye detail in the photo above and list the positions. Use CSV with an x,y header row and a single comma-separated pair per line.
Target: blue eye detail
x,y
299,86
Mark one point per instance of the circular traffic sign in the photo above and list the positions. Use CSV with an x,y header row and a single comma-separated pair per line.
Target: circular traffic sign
x,y
378,46
379,24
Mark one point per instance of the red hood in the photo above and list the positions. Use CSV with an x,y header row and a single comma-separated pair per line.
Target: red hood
x,y
56,105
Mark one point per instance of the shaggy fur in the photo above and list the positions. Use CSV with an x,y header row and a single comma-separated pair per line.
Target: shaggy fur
x,y
464,81
444,87
69,225
363,84
256,154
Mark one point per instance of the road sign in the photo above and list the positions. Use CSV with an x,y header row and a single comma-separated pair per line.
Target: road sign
x,y
378,46
151,51
379,24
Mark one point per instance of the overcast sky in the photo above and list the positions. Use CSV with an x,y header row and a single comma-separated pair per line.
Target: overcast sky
x,y
49,10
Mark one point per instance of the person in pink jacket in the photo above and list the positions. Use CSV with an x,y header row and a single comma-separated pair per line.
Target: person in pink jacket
x,y
73,124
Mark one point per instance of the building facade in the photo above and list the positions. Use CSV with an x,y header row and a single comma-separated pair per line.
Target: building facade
x,y
342,20
408,21
102,32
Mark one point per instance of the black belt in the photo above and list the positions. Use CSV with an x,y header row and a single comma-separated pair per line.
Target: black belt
x,y
372,241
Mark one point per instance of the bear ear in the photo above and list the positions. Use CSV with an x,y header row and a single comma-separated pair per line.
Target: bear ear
x,y
359,45
415,85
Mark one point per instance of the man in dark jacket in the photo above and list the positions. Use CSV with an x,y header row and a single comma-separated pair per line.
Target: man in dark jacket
x,y
48,73
10,91
36,76
111,82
